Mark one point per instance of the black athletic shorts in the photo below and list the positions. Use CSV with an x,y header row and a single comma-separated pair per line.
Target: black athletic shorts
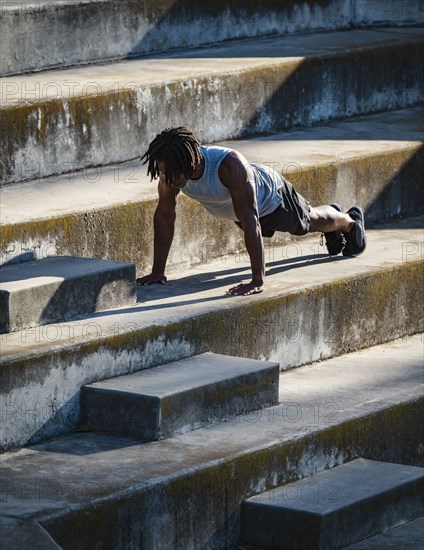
x,y
292,216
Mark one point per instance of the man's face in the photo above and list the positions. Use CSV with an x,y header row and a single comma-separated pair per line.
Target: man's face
x,y
178,182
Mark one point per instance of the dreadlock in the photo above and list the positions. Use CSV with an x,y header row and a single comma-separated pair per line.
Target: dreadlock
x,y
178,149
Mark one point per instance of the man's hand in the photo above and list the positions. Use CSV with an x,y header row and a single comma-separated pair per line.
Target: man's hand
x,y
151,279
246,289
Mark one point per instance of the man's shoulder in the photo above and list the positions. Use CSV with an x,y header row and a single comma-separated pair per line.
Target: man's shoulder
x,y
216,149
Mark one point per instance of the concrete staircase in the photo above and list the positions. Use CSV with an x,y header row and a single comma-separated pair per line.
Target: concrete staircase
x,y
96,490
148,424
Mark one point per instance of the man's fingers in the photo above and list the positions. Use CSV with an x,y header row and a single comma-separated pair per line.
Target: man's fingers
x,y
255,290
144,281
244,290
234,289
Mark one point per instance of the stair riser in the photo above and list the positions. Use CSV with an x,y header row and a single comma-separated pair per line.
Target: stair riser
x,y
385,185
134,28
41,392
62,135
202,508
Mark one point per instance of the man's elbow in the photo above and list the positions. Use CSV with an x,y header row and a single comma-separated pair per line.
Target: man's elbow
x,y
165,215
251,227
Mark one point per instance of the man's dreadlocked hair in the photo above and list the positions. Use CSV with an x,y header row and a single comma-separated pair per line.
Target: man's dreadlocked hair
x,y
178,149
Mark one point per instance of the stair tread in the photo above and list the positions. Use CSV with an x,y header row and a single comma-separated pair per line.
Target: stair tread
x,y
192,372
296,268
287,152
363,383
228,57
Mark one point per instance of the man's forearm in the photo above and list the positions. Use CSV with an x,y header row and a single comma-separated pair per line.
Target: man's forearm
x,y
255,249
164,234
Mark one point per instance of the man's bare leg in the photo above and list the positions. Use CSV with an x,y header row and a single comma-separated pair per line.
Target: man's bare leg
x,y
326,219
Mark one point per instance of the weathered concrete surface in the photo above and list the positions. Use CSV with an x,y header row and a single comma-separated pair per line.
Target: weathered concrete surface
x,y
185,492
55,34
314,307
179,397
61,288
374,161
407,537
57,122
20,534
357,500
366,12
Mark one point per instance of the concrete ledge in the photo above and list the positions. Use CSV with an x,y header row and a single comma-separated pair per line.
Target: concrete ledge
x,y
62,288
57,122
314,307
43,31
362,498
374,161
179,397
186,492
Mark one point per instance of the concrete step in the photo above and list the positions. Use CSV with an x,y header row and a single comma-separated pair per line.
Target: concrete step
x,y
375,161
94,491
179,397
313,307
408,537
61,288
332,509
64,120
56,34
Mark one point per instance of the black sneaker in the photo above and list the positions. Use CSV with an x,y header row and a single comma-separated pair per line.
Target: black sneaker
x,y
335,240
355,240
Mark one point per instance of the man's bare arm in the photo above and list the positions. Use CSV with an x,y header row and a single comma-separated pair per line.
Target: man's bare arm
x,y
163,225
235,175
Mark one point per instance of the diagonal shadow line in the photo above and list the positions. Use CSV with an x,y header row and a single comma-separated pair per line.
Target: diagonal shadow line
x,y
83,443
187,14
195,13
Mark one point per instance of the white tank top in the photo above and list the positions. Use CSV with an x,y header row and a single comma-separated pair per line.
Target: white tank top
x,y
215,197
